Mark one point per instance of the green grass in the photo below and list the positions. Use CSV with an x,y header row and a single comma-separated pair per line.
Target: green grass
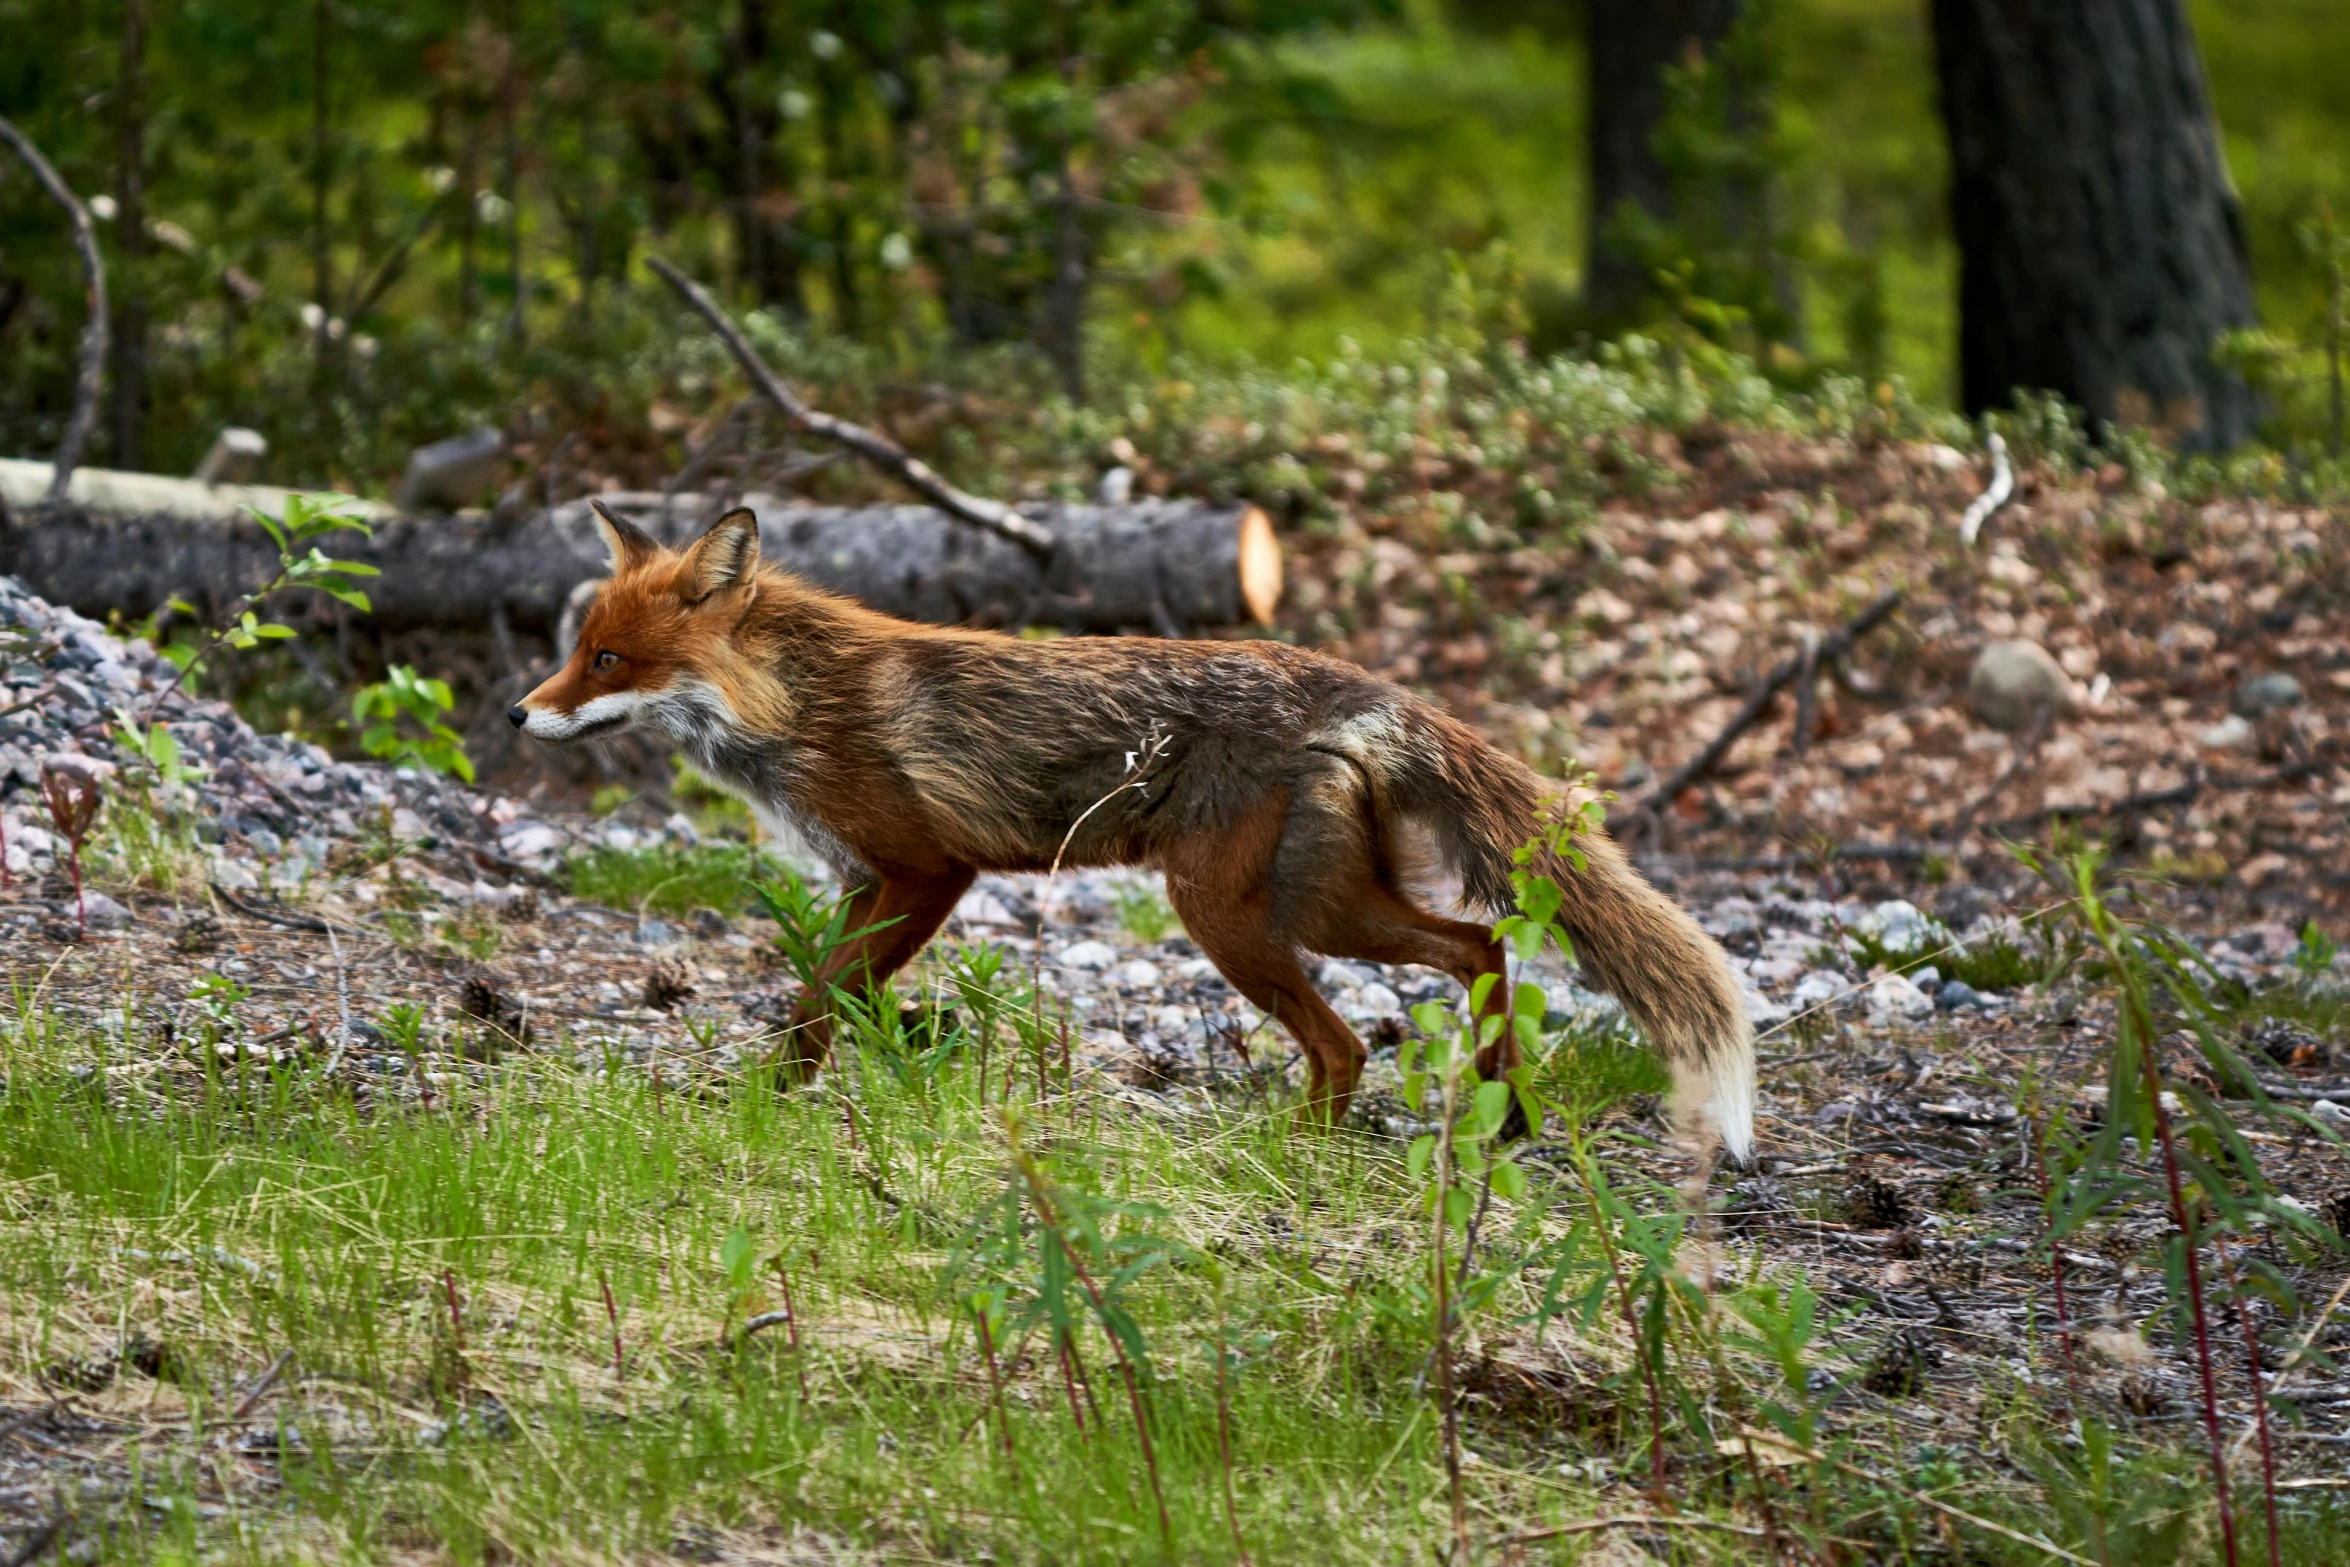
x,y
1144,913
668,879
230,1218
1994,962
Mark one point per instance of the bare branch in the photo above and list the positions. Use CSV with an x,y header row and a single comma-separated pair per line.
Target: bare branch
x,y
92,379
872,445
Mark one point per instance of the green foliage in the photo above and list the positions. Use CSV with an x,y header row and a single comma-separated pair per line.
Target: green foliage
x,y
1996,961
406,717
665,878
1144,912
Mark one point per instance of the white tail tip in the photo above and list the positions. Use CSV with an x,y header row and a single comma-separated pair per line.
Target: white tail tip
x,y
1717,1100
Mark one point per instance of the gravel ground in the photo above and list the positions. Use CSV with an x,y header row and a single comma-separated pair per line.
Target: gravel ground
x,y
1891,1168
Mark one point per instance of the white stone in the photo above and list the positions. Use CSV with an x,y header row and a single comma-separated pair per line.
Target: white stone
x,y
2231,733
1375,1000
1892,995
1899,924
530,840
981,907
1138,974
1820,985
103,910
1092,956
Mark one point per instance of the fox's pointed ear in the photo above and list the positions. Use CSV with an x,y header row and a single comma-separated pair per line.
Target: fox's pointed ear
x,y
725,557
630,545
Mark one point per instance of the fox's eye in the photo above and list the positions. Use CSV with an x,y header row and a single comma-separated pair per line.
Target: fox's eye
x,y
607,661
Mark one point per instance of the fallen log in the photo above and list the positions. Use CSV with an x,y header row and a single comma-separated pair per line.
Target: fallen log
x,y
130,543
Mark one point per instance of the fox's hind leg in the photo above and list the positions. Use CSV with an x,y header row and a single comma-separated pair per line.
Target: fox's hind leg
x,y
1222,888
1366,919
1359,913
896,913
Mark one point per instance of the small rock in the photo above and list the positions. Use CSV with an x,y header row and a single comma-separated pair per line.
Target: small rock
x,y
1375,1000
1899,924
1960,906
2231,733
1818,986
981,907
1892,995
1139,974
2013,682
1091,956
1338,974
103,910
2266,694
1955,994
656,933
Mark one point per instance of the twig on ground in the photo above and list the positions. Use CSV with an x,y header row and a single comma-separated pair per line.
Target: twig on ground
x,y
92,376
2001,490
261,1386
872,445
761,1322
1834,645
1807,693
612,1316
1632,1521
2027,745
334,1059
2129,804
269,916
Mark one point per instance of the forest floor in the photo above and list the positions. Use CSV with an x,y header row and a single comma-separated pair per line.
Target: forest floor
x,y
388,1172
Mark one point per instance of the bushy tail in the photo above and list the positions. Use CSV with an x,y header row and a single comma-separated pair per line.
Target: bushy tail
x,y
1640,947
1632,941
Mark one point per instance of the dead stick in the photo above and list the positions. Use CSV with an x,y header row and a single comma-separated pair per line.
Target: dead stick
x,y
1835,645
92,378
872,445
1807,693
268,1380
1632,1521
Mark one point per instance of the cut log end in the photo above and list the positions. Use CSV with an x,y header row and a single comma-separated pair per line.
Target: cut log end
x,y
1260,565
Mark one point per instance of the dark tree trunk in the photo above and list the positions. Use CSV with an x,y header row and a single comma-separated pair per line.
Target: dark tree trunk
x,y
1629,45
2101,252
1064,297
130,327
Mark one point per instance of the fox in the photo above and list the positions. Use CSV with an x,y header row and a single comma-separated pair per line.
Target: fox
x,y
1295,803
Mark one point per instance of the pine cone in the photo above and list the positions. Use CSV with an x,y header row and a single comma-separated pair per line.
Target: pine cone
x,y
667,983
198,934
481,999
1873,1203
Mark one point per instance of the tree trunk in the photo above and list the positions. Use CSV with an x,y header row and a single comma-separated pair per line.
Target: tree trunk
x,y
1629,44
2101,252
1064,297
131,542
130,331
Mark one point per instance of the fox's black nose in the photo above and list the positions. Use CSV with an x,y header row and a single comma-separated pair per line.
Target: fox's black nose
x,y
518,715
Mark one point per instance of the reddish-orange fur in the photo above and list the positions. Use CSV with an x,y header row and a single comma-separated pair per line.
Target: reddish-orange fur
x,y
1295,803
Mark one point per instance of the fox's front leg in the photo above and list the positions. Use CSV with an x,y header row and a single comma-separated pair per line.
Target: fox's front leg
x,y
889,920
